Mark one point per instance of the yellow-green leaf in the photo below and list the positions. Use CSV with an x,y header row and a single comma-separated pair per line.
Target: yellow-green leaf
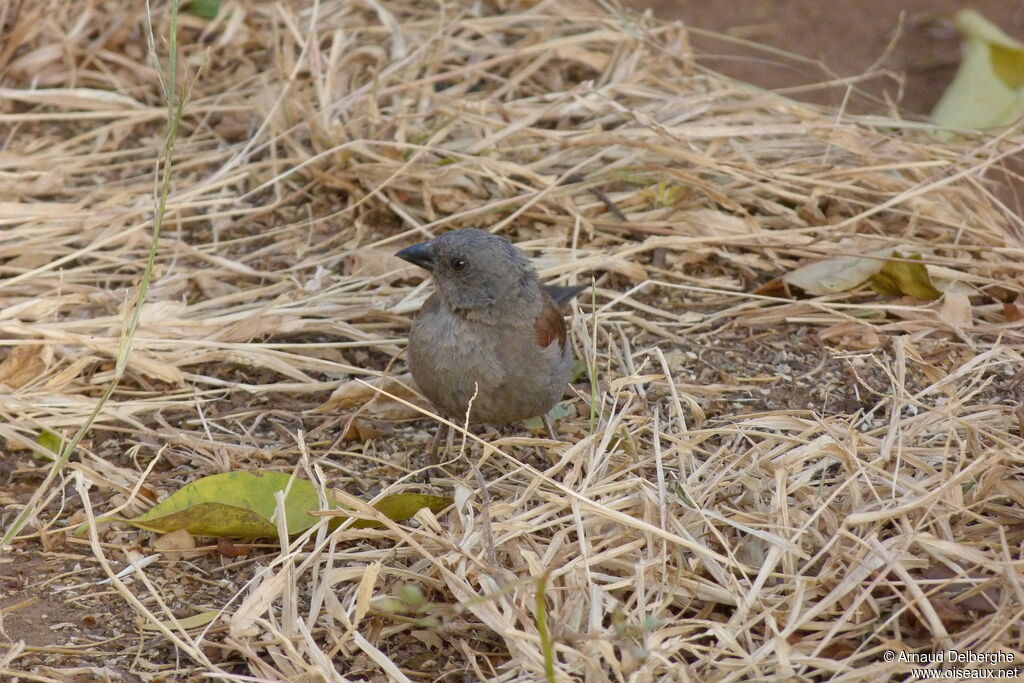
x,y
238,504
209,519
905,278
986,92
49,441
557,412
242,505
194,621
401,506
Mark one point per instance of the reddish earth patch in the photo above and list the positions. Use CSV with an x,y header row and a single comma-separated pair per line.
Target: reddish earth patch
x,y
910,45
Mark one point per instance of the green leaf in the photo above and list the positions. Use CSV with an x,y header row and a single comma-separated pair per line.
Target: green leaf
x,y
205,9
194,621
1008,65
237,504
49,441
909,277
242,505
557,412
986,92
399,507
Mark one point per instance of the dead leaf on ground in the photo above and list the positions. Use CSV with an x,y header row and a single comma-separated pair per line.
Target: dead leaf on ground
x,y
905,277
229,549
176,545
973,590
365,430
956,311
24,364
834,275
187,623
355,394
1014,311
244,505
852,336
986,92
775,287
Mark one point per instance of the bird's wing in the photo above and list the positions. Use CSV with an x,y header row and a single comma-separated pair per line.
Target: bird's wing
x,y
563,295
549,325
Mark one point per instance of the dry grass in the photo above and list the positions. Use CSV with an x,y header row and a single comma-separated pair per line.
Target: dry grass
x,y
756,488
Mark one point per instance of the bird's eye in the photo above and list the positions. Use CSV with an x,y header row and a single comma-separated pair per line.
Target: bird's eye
x,y
458,263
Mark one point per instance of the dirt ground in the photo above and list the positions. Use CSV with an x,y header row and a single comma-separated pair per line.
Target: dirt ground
x,y
904,52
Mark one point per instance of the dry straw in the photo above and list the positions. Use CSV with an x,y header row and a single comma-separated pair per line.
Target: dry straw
x,y
755,487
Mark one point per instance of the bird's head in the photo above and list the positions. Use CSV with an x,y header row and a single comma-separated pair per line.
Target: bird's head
x,y
474,270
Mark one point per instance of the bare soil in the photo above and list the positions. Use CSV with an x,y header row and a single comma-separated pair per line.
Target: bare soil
x,y
906,50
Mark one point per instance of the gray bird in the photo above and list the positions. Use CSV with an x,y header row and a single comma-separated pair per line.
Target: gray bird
x,y
490,329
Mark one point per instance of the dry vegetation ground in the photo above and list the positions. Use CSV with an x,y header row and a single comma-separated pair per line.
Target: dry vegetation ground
x,y
758,486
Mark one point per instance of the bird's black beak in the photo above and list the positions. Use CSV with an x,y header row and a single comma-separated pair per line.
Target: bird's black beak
x,y
421,255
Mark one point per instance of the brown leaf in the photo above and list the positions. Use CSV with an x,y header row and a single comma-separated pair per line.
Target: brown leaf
x,y
956,311
365,430
355,394
228,549
950,614
973,592
850,335
176,545
1013,311
24,364
775,287
838,649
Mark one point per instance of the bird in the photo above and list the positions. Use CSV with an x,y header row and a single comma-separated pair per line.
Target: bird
x,y
491,339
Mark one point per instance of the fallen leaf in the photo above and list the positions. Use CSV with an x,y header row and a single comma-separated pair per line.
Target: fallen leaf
x,y
837,274
557,412
986,92
22,365
50,444
399,507
950,613
176,545
243,505
35,210
29,260
628,269
88,99
228,549
239,504
429,639
355,394
364,430
973,591
839,649
853,336
905,277
775,287
956,311
194,621
1013,311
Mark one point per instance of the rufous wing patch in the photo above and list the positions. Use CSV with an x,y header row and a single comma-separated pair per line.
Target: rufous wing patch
x,y
549,324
